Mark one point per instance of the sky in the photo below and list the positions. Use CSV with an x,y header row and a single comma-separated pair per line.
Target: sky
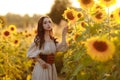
x,y
31,6
27,6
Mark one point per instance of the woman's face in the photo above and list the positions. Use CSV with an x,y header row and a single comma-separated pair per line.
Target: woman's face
x,y
47,24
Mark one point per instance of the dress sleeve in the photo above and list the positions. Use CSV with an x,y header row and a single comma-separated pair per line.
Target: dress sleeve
x,y
33,51
62,47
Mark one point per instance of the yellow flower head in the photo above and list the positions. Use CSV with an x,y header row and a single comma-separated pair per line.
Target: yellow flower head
x,y
12,28
69,14
6,33
112,16
79,15
96,7
100,49
86,3
34,31
25,32
99,16
82,26
16,42
107,3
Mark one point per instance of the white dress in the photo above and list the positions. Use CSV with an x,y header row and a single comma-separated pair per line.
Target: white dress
x,y
49,47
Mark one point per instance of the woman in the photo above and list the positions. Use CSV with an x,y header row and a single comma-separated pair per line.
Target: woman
x,y
43,50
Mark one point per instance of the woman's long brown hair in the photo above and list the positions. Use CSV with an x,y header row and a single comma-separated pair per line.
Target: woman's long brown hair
x,y
39,38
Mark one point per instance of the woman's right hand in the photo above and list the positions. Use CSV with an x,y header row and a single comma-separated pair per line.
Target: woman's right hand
x,y
42,63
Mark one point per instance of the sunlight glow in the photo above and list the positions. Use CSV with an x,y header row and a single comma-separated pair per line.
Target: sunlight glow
x,y
77,5
25,6
34,6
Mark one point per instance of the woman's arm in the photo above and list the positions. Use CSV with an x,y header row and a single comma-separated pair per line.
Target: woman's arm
x,y
41,62
33,51
63,45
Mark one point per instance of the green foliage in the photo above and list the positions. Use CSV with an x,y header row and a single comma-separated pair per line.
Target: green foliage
x,y
78,65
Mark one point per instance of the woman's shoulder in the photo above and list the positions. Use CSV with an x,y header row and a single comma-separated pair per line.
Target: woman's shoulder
x,y
32,44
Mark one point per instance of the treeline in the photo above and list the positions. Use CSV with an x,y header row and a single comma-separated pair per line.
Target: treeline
x,y
22,21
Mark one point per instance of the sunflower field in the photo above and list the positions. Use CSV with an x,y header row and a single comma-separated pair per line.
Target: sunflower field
x,y
94,41
14,65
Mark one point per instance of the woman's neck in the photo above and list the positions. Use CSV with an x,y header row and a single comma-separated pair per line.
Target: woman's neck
x,y
47,36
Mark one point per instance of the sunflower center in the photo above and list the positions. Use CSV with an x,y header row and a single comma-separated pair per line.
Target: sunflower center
x,y
111,15
86,2
99,15
97,7
100,46
82,24
70,15
29,34
12,29
6,33
35,31
79,15
16,41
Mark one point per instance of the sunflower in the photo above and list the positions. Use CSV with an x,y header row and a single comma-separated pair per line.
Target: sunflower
x,y
16,42
99,16
96,7
100,49
107,3
112,16
86,3
117,15
6,33
82,26
25,32
79,15
69,14
12,28
34,31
